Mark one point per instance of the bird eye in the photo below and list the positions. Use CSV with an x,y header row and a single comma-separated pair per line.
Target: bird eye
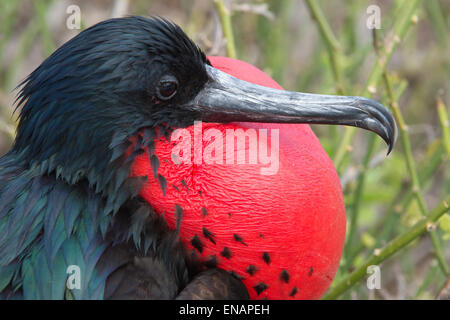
x,y
167,87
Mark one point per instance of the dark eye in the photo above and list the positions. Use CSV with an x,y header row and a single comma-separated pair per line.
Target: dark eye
x,y
167,87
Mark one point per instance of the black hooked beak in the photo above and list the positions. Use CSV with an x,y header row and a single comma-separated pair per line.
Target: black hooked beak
x,y
225,98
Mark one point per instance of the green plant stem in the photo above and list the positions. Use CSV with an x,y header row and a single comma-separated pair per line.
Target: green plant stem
x,y
411,166
392,247
334,55
225,20
400,203
402,200
437,20
350,243
356,205
26,41
401,26
445,124
332,44
351,251
428,278
41,8
383,56
8,16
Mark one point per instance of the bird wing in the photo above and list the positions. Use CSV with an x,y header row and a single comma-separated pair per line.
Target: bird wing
x,y
46,226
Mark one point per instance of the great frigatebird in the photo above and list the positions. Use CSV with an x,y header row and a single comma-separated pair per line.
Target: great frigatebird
x,y
67,194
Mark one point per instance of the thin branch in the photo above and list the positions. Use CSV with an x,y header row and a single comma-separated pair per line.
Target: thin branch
x,y
403,199
41,9
119,8
225,20
261,9
358,195
445,124
26,41
411,166
332,44
406,18
380,255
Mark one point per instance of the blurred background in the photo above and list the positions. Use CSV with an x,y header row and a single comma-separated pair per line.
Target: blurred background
x,y
282,38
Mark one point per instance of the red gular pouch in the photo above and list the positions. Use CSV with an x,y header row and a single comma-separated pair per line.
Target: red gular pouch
x,y
279,224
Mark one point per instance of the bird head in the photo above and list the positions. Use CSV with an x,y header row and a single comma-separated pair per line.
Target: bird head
x,y
104,85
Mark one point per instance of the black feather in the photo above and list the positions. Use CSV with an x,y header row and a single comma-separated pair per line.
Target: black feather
x,y
209,235
260,287
266,257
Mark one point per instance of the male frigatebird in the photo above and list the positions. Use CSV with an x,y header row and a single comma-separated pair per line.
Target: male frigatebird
x,y
92,117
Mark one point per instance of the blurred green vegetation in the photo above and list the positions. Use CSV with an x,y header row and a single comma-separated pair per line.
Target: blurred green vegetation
x,y
281,38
